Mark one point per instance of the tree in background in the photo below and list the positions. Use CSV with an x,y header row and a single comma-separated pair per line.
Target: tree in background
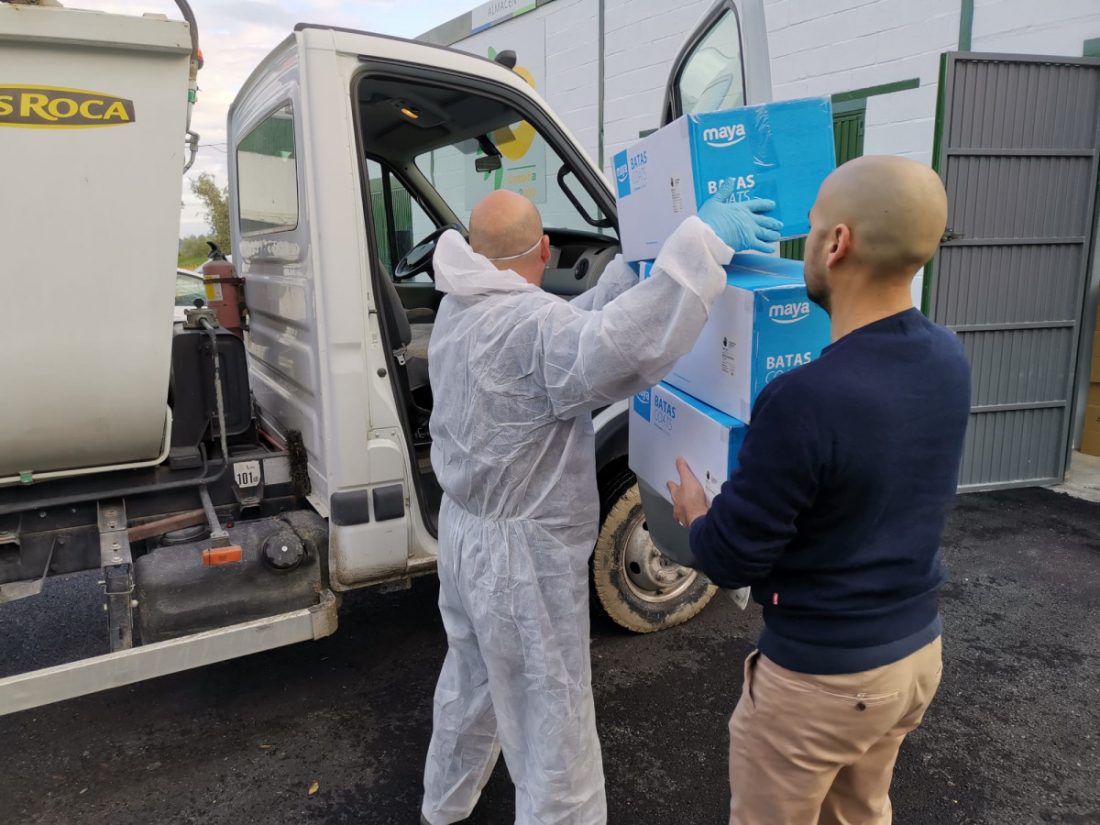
x,y
193,251
215,203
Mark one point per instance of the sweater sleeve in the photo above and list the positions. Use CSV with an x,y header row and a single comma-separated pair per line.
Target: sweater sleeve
x,y
753,518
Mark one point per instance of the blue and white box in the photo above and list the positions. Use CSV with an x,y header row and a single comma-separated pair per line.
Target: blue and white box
x,y
779,151
666,424
762,325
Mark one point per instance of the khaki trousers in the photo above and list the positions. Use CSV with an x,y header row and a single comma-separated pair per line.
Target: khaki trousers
x,y
820,750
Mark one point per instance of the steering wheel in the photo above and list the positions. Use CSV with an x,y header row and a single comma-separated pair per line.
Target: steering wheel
x,y
419,258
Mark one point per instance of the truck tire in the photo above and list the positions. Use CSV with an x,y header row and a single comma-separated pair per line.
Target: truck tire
x,y
640,589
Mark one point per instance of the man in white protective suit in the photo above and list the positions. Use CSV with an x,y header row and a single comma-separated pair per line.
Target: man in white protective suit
x,y
516,373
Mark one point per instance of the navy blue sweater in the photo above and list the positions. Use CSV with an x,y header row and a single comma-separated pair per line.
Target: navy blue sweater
x,y
835,512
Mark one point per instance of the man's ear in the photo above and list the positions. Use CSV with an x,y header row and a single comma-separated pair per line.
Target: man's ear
x,y
544,249
839,245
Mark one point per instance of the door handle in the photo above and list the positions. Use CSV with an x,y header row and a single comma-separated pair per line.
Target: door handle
x,y
950,234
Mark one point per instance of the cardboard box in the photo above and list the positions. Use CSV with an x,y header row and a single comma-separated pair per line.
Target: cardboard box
x,y
780,151
1090,436
666,423
762,326
1093,398
1095,377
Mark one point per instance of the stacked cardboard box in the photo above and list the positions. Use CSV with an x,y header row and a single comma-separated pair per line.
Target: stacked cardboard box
x,y
763,324
666,423
1090,437
778,151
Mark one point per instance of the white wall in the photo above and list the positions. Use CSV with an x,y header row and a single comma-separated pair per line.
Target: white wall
x,y
818,47
563,59
823,47
1054,27
572,50
829,46
642,38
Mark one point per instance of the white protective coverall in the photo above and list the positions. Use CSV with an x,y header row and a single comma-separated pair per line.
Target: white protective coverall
x,y
516,373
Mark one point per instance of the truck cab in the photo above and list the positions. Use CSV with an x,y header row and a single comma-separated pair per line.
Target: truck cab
x,y
350,153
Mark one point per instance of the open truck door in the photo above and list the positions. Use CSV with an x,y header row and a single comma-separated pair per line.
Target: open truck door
x,y
723,65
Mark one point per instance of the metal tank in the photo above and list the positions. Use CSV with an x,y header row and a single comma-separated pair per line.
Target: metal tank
x,y
93,112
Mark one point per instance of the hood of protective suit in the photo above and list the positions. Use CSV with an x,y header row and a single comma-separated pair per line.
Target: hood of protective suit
x,y
461,271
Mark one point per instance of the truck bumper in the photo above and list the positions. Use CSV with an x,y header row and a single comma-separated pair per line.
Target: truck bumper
x,y
55,684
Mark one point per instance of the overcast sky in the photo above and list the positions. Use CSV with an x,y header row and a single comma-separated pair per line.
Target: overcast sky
x,y
236,34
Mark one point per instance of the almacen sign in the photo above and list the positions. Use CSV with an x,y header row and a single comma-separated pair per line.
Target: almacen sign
x,y
48,107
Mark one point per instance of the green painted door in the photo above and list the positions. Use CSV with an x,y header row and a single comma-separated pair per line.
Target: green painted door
x,y
848,121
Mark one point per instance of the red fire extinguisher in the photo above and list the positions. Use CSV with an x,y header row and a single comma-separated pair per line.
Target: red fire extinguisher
x,y
224,290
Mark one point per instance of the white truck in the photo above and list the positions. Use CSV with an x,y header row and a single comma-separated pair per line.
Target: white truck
x,y
230,486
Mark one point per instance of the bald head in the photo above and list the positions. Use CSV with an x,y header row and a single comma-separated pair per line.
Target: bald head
x,y
504,224
895,209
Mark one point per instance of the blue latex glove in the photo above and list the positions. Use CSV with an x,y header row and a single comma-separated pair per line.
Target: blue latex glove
x,y
739,223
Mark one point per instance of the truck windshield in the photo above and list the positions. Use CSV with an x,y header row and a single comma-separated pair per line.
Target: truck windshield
x,y
527,164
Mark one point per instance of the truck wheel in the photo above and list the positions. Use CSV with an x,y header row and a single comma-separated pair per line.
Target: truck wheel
x,y
639,588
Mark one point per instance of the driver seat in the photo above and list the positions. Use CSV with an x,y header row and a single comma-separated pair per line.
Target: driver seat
x,y
413,337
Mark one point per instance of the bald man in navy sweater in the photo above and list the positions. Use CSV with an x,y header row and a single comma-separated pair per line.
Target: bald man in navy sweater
x,y
835,513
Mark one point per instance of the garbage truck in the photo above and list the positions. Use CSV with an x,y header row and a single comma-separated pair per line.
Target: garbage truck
x,y
232,475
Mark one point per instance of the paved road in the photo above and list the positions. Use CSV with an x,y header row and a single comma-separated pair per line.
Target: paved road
x,y
1012,737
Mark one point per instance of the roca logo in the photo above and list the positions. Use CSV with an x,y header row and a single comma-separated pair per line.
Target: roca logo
x,y
722,136
789,313
622,172
48,107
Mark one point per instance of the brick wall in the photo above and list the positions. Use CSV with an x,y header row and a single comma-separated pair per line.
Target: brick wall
x,y
641,41
1027,27
817,47
822,47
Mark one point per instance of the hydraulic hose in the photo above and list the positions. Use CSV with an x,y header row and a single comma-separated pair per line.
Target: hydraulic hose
x,y
192,81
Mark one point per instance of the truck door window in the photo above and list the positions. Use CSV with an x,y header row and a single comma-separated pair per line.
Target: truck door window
x,y
267,175
529,165
398,219
711,77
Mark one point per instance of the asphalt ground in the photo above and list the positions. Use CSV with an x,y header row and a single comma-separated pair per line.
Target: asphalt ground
x,y
1011,738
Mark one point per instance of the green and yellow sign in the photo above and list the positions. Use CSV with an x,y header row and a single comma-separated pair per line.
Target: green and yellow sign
x,y
50,107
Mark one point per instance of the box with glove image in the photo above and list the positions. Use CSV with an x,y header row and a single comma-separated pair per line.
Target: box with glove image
x,y
761,326
666,424
777,151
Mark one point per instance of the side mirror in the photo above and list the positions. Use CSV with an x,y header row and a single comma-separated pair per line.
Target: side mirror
x,y
506,58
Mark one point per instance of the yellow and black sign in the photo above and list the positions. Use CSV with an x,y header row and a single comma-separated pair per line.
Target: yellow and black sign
x,y
48,107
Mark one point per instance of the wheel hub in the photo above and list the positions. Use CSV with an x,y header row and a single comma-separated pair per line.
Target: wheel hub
x,y
651,575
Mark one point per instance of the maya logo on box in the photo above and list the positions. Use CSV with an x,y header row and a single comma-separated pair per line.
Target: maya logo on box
x,y
622,174
722,136
642,403
790,313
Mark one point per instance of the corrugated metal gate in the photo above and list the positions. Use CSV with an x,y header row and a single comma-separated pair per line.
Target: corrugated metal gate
x,y
1017,150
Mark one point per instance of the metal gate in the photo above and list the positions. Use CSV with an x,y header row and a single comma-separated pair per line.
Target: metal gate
x,y
1016,146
